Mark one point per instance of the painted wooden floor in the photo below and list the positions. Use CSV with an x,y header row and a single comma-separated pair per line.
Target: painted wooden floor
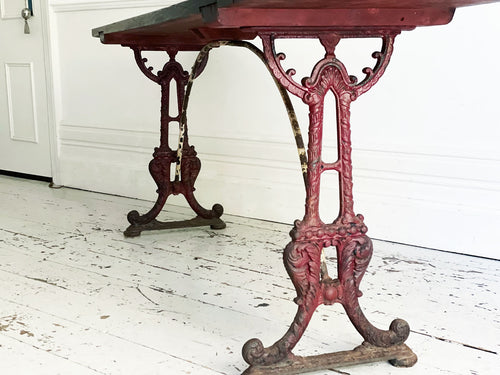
x,y
76,297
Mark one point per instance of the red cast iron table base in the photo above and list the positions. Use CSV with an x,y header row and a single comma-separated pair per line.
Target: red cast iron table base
x,y
164,157
310,237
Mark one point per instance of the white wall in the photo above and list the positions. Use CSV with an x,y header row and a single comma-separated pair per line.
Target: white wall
x,y
427,165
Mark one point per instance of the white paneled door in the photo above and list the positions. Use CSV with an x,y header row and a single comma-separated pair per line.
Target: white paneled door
x,y
24,124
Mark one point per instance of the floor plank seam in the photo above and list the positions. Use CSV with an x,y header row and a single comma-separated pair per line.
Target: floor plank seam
x,y
454,342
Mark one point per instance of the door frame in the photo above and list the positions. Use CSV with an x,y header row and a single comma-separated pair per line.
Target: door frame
x,y
48,48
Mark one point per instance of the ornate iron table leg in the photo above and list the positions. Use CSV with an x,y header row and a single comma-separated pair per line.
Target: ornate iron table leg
x,y
164,156
310,237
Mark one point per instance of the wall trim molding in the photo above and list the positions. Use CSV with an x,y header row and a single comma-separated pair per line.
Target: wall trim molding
x,y
374,165
81,5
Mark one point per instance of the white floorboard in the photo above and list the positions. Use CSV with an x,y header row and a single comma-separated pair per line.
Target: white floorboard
x,y
77,297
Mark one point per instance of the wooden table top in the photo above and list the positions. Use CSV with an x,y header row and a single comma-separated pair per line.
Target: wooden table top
x,y
191,24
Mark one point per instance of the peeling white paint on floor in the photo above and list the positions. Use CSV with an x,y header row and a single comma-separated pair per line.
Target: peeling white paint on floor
x,y
77,297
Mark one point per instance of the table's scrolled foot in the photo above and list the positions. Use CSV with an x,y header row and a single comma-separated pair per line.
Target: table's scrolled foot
x,y
302,261
133,230
398,331
398,355
216,211
216,223
354,256
255,354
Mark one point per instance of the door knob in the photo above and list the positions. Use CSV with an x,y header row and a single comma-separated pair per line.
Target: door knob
x,y
26,14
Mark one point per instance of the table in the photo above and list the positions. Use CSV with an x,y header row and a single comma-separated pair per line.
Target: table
x,y
201,25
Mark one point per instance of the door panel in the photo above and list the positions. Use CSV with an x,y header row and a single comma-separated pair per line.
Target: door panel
x,y
24,135
21,102
9,9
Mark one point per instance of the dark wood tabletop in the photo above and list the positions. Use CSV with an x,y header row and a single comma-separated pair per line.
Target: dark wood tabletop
x,y
193,23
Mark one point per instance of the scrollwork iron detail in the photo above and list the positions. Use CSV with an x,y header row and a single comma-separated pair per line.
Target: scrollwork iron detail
x,y
302,261
302,257
329,74
164,156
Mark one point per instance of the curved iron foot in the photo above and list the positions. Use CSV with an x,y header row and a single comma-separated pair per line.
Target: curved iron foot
x,y
255,354
159,168
354,255
216,211
302,261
